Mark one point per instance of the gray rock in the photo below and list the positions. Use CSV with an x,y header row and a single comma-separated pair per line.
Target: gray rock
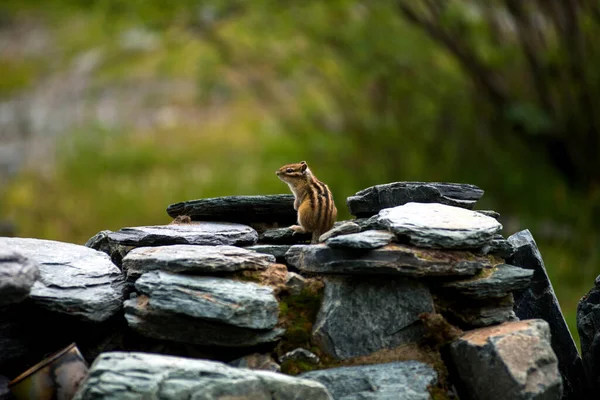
x,y
284,236
185,258
242,304
511,361
153,377
539,301
344,228
17,276
490,213
392,259
440,226
382,313
300,354
256,361
277,208
276,250
74,280
407,380
203,233
362,240
499,247
295,283
116,251
370,201
588,325
370,224
500,281
156,324
469,314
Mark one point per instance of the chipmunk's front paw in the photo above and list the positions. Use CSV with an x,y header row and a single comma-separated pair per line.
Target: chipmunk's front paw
x,y
297,229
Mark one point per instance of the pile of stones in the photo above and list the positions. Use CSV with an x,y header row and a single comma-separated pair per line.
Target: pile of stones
x,y
417,297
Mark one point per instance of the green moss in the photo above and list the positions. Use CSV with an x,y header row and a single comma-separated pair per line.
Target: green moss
x,y
292,367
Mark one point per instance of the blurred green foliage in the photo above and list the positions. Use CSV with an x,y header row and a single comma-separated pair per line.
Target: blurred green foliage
x,y
472,91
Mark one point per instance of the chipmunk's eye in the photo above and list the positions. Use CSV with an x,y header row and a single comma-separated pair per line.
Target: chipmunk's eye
x,y
289,170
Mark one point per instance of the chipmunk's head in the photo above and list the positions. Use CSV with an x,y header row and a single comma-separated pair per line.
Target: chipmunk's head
x,y
291,173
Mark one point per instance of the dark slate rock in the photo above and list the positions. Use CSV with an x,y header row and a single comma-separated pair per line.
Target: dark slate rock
x,y
277,208
512,361
242,304
440,226
362,240
284,236
115,251
390,260
497,282
407,380
149,376
17,276
370,201
193,259
539,301
256,361
344,228
74,280
468,314
490,213
498,247
202,233
370,224
276,250
382,313
157,324
302,355
588,325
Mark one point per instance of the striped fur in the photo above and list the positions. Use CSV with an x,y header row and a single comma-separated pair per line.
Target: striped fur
x,y
313,199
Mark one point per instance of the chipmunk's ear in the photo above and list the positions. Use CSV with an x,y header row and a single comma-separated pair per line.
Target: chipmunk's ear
x,y
303,166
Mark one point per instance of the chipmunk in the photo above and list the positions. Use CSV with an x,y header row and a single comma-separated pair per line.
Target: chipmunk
x,y
313,200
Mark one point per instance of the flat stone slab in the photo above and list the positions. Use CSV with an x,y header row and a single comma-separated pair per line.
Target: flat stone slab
x,y
360,315
469,313
362,240
440,226
277,208
242,304
202,233
276,250
393,259
156,324
512,361
338,229
370,201
193,259
497,282
539,301
406,380
116,376
284,236
74,280
17,276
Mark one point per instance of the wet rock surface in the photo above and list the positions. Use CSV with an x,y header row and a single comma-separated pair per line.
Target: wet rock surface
x,y
498,281
539,301
362,240
440,226
408,380
401,260
383,313
344,228
241,209
370,201
138,375
193,259
242,304
17,276
517,355
74,280
202,233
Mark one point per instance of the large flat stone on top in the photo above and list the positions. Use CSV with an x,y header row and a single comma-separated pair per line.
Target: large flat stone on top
x,y
147,321
74,280
406,380
370,201
202,233
495,283
17,276
401,260
117,376
512,361
439,225
359,315
242,304
193,259
277,208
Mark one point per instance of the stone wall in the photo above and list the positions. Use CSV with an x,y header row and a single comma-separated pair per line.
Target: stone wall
x,y
412,299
